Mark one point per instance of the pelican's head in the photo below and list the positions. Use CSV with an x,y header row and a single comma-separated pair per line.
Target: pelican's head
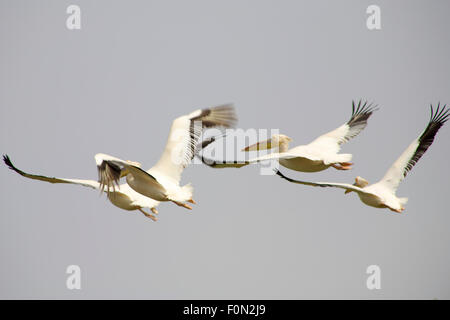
x,y
359,182
276,141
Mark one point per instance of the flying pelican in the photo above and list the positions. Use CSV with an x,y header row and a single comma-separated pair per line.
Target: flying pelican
x,y
382,193
162,181
316,156
126,198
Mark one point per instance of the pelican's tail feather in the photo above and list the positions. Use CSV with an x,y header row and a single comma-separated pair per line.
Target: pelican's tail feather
x,y
183,194
339,158
344,157
403,201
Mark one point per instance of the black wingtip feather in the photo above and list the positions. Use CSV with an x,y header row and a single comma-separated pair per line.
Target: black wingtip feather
x,y
278,172
438,118
10,165
362,112
6,160
108,176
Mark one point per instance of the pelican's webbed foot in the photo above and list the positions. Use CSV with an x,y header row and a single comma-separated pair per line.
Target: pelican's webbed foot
x,y
148,215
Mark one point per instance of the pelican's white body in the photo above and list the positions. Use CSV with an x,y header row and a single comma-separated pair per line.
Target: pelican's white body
x,y
128,199
382,194
378,196
314,157
166,172
319,154
162,181
122,197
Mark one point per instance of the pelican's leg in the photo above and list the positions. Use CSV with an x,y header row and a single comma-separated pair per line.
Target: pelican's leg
x,y
184,205
338,167
154,210
397,210
342,165
346,164
148,215
192,201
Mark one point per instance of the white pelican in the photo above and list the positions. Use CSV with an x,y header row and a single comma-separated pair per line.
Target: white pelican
x,y
126,198
316,156
382,193
162,181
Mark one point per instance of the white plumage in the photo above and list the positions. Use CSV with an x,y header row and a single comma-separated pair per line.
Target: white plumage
x,y
162,181
316,156
383,193
124,198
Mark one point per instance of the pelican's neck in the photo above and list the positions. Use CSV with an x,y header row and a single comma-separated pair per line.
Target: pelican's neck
x,y
283,146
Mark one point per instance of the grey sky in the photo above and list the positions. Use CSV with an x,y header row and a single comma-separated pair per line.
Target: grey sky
x,y
115,86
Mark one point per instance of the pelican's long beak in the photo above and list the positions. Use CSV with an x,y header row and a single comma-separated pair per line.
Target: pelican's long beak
x,y
263,145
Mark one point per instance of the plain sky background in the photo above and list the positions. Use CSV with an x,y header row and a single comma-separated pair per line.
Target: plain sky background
x,y
115,86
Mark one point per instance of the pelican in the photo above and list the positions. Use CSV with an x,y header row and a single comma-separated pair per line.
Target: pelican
x,y
126,198
383,193
316,156
162,181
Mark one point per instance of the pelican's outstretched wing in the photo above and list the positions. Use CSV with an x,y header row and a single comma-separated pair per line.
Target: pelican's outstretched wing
x,y
214,163
87,183
184,136
271,156
398,171
219,164
298,152
111,169
345,186
358,121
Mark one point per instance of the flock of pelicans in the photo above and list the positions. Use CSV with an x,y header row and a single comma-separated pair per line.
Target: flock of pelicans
x,y
146,189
